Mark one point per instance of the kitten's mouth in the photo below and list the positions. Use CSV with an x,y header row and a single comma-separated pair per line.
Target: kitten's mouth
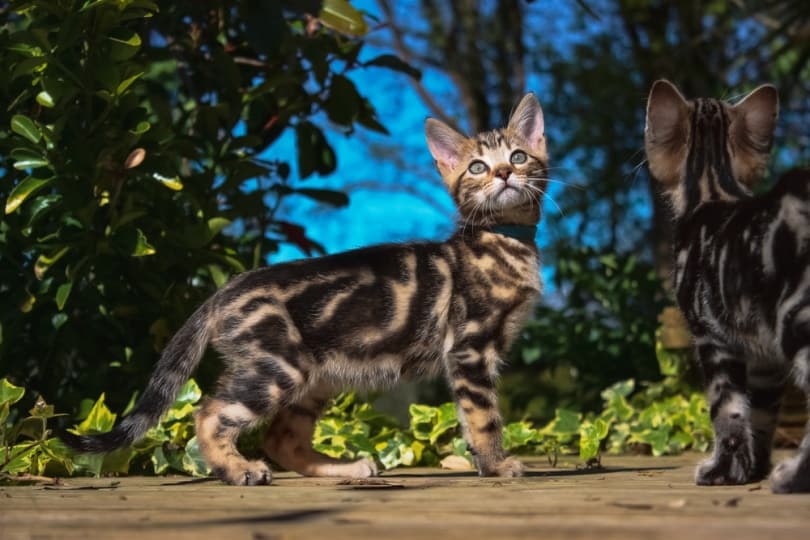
x,y
509,195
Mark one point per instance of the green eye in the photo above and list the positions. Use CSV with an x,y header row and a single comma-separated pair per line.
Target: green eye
x,y
518,157
477,167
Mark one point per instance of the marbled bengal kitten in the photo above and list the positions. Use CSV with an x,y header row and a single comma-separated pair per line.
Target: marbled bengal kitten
x,y
742,272
294,334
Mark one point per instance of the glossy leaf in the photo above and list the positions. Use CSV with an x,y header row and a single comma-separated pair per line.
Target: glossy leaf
x,y
22,125
23,190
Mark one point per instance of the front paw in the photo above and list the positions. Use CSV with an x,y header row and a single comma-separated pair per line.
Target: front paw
x,y
508,468
732,463
791,476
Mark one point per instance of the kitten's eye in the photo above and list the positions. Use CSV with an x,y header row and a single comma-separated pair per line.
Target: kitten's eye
x,y
518,157
477,167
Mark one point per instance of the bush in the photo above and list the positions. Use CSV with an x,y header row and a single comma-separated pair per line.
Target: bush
x,y
603,332
134,183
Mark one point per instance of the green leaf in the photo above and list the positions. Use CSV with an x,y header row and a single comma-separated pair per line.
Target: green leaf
x,y
10,394
172,183
62,294
32,163
142,247
45,99
193,461
159,462
99,420
23,190
19,458
44,262
22,125
341,16
124,85
190,393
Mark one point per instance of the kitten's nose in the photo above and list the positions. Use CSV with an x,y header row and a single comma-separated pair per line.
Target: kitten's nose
x,y
503,172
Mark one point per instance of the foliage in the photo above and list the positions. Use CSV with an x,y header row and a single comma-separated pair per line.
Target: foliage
x,y
602,333
663,417
132,142
27,444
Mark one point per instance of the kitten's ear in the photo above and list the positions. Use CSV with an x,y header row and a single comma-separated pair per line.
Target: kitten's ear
x,y
667,115
527,120
758,111
445,144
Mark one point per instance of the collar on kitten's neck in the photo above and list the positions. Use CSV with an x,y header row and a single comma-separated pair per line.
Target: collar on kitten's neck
x,y
524,233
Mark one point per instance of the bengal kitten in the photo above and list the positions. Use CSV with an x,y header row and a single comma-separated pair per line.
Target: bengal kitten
x,y
293,335
742,272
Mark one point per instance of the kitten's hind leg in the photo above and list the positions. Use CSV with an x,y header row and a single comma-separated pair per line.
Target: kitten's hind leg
x,y
793,474
472,380
288,442
766,385
732,460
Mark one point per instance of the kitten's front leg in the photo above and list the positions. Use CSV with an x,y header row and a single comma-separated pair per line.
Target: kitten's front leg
x,y
733,460
472,377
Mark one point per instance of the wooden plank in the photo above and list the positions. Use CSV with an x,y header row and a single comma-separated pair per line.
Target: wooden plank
x,y
632,498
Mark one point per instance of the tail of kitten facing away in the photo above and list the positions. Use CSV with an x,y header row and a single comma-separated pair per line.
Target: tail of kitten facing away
x,y
177,362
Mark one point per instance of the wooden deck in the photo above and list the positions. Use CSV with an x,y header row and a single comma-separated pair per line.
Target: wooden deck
x,y
631,498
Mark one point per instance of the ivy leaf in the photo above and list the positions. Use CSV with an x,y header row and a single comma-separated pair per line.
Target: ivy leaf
x,y
100,419
10,394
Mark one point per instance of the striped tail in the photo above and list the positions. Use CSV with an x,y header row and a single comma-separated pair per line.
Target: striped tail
x,y
177,362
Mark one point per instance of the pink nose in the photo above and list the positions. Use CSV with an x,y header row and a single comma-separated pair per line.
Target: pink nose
x,y
503,172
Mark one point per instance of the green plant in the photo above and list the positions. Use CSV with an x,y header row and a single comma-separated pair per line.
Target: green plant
x,y
135,177
601,331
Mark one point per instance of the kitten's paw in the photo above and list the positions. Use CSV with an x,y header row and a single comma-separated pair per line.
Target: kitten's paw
x,y
246,473
791,476
363,468
508,468
731,464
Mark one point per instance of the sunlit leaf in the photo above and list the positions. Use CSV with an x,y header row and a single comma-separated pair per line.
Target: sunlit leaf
x,y
10,393
341,16
23,190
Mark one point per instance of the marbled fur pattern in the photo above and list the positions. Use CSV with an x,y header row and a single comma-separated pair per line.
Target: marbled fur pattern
x,y
742,272
295,334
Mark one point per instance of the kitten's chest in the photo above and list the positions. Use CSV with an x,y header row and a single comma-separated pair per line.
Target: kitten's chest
x,y
498,285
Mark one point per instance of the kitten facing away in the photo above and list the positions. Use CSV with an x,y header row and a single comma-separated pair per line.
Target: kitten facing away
x,y
742,272
293,335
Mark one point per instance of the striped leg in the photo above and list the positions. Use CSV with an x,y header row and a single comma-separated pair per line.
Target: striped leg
x,y
472,377
219,423
793,474
766,384
288,442
732,461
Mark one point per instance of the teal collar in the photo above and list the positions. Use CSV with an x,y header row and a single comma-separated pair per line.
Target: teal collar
x,y
525,233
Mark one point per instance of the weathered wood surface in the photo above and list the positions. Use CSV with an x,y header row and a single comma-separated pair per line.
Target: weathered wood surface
x,y
632,498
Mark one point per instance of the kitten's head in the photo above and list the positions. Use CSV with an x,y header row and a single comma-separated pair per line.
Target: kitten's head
x,y
707,149
497,176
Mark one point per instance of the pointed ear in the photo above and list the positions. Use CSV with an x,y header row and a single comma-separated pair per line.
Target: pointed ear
x,y
758,112
445,144
527,120
667,115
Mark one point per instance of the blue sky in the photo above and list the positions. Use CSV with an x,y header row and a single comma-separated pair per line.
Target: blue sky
x,y
391,213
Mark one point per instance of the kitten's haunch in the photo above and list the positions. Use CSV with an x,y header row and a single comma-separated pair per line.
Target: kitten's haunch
x,y
293,335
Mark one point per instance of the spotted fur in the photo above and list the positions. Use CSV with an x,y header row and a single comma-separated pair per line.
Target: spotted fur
x,y
742,272
292,335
